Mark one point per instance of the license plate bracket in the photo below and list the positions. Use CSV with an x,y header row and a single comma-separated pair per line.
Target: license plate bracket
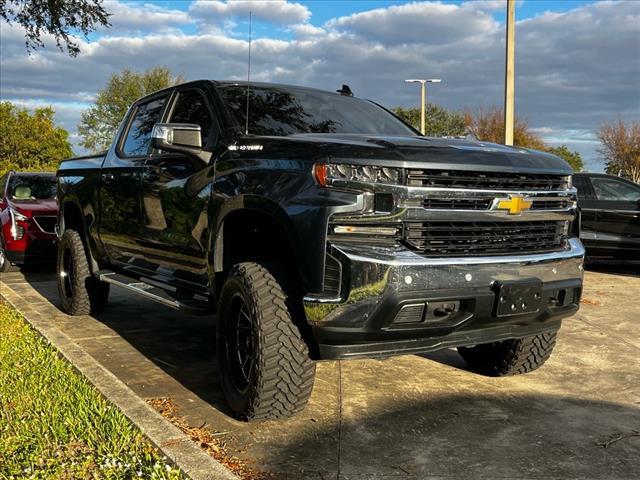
x,y
517,298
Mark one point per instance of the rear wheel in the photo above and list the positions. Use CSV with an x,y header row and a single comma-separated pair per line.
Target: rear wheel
x,y
80,292
510,357
265,367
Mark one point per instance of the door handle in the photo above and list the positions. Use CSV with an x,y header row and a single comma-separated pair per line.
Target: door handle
x,y
107,177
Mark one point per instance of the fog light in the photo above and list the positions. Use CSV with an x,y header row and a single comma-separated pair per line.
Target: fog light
x,y
368,230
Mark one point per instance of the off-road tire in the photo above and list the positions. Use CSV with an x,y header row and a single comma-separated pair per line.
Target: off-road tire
x,y
281,377
80,292
510,357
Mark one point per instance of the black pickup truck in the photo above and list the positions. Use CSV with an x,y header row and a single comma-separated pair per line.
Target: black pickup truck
x,y
316,225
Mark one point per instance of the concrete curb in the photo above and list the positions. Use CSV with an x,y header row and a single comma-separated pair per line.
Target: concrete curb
x,y
168,438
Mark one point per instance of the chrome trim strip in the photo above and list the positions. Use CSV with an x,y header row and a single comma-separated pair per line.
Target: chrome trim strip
x,y
407,257
40,226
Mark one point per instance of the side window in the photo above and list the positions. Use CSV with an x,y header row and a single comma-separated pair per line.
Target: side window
x,y
138,141
611,189
191,107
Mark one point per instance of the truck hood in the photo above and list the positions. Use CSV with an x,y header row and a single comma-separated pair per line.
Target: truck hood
x,y
427,152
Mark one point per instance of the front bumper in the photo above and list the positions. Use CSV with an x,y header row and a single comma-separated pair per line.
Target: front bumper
x,y
391,300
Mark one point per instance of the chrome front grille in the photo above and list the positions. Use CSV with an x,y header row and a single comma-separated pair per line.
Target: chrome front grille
x,y
484,202
485,180
484,238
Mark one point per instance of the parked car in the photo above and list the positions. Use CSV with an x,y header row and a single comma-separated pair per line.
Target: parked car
x,y
320,226
28,212
610,209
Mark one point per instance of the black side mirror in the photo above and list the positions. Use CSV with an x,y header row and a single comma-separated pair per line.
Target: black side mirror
x,y
180,138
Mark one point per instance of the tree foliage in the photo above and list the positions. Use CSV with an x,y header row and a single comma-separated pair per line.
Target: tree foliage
x,y
58,18
31,141
98,124
488,125
574,159
439,122
620,148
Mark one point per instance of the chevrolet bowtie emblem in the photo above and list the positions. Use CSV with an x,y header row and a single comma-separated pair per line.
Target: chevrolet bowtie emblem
x,y
516,204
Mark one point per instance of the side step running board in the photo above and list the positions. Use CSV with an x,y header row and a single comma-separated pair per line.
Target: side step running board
x,y
195,305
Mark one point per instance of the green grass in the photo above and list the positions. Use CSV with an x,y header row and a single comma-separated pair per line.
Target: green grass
x,y
54,424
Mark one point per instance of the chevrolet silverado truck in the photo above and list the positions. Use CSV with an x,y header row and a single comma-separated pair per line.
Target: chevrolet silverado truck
x,y
316,225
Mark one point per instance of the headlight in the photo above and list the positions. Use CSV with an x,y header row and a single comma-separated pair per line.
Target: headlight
x,y
326,174
17,215
17,231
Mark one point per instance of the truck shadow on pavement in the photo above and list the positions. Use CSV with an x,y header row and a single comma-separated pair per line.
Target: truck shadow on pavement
x,y
413,420
457,436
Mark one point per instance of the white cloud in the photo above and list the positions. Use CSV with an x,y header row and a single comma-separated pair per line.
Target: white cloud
x,y
573,70
429,23
274,11
143,17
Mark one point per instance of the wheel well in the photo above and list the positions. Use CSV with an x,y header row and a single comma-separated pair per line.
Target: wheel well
x,y
72,217
74,220
254,236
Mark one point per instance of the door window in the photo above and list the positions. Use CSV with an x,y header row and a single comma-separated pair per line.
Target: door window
x,y
612,189
191,107
138,141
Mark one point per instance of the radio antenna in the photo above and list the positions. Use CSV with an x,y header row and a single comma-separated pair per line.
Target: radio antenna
x,y
246,127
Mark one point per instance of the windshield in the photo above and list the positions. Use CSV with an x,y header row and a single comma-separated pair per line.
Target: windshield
x,y
32,187
282,111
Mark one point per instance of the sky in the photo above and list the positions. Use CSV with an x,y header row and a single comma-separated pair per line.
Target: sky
x,y
577,62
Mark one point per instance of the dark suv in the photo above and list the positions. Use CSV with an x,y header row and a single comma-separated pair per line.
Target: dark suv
x,y
28,211
610,209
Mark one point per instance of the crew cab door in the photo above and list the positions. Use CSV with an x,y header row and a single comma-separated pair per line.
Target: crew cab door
x,y
175,199
120,182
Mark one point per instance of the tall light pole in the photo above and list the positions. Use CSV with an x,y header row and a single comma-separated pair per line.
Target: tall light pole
x,y
509,73
423,97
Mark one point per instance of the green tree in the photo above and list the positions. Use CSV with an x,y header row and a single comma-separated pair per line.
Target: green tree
x,y
31,141
440,122
98,124
572,158
58,18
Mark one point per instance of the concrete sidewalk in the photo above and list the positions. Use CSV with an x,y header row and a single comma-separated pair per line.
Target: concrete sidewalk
x,y
407,417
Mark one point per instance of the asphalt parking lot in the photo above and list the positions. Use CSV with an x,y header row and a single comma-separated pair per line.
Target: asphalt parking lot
x,y
422,417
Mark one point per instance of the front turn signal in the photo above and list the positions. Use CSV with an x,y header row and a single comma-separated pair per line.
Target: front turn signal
x,y
320,173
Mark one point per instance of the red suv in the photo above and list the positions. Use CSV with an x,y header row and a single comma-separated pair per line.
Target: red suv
x,y
28,216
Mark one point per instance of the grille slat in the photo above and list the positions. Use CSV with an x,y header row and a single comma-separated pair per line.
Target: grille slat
x,y
484,180
455,238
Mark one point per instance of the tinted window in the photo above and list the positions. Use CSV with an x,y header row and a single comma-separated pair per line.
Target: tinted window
x,y
191,107
611,189
32,187
138,140
284,111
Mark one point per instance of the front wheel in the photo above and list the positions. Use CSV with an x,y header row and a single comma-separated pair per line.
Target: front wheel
x,y
5,264
510,357
80,292
265,367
